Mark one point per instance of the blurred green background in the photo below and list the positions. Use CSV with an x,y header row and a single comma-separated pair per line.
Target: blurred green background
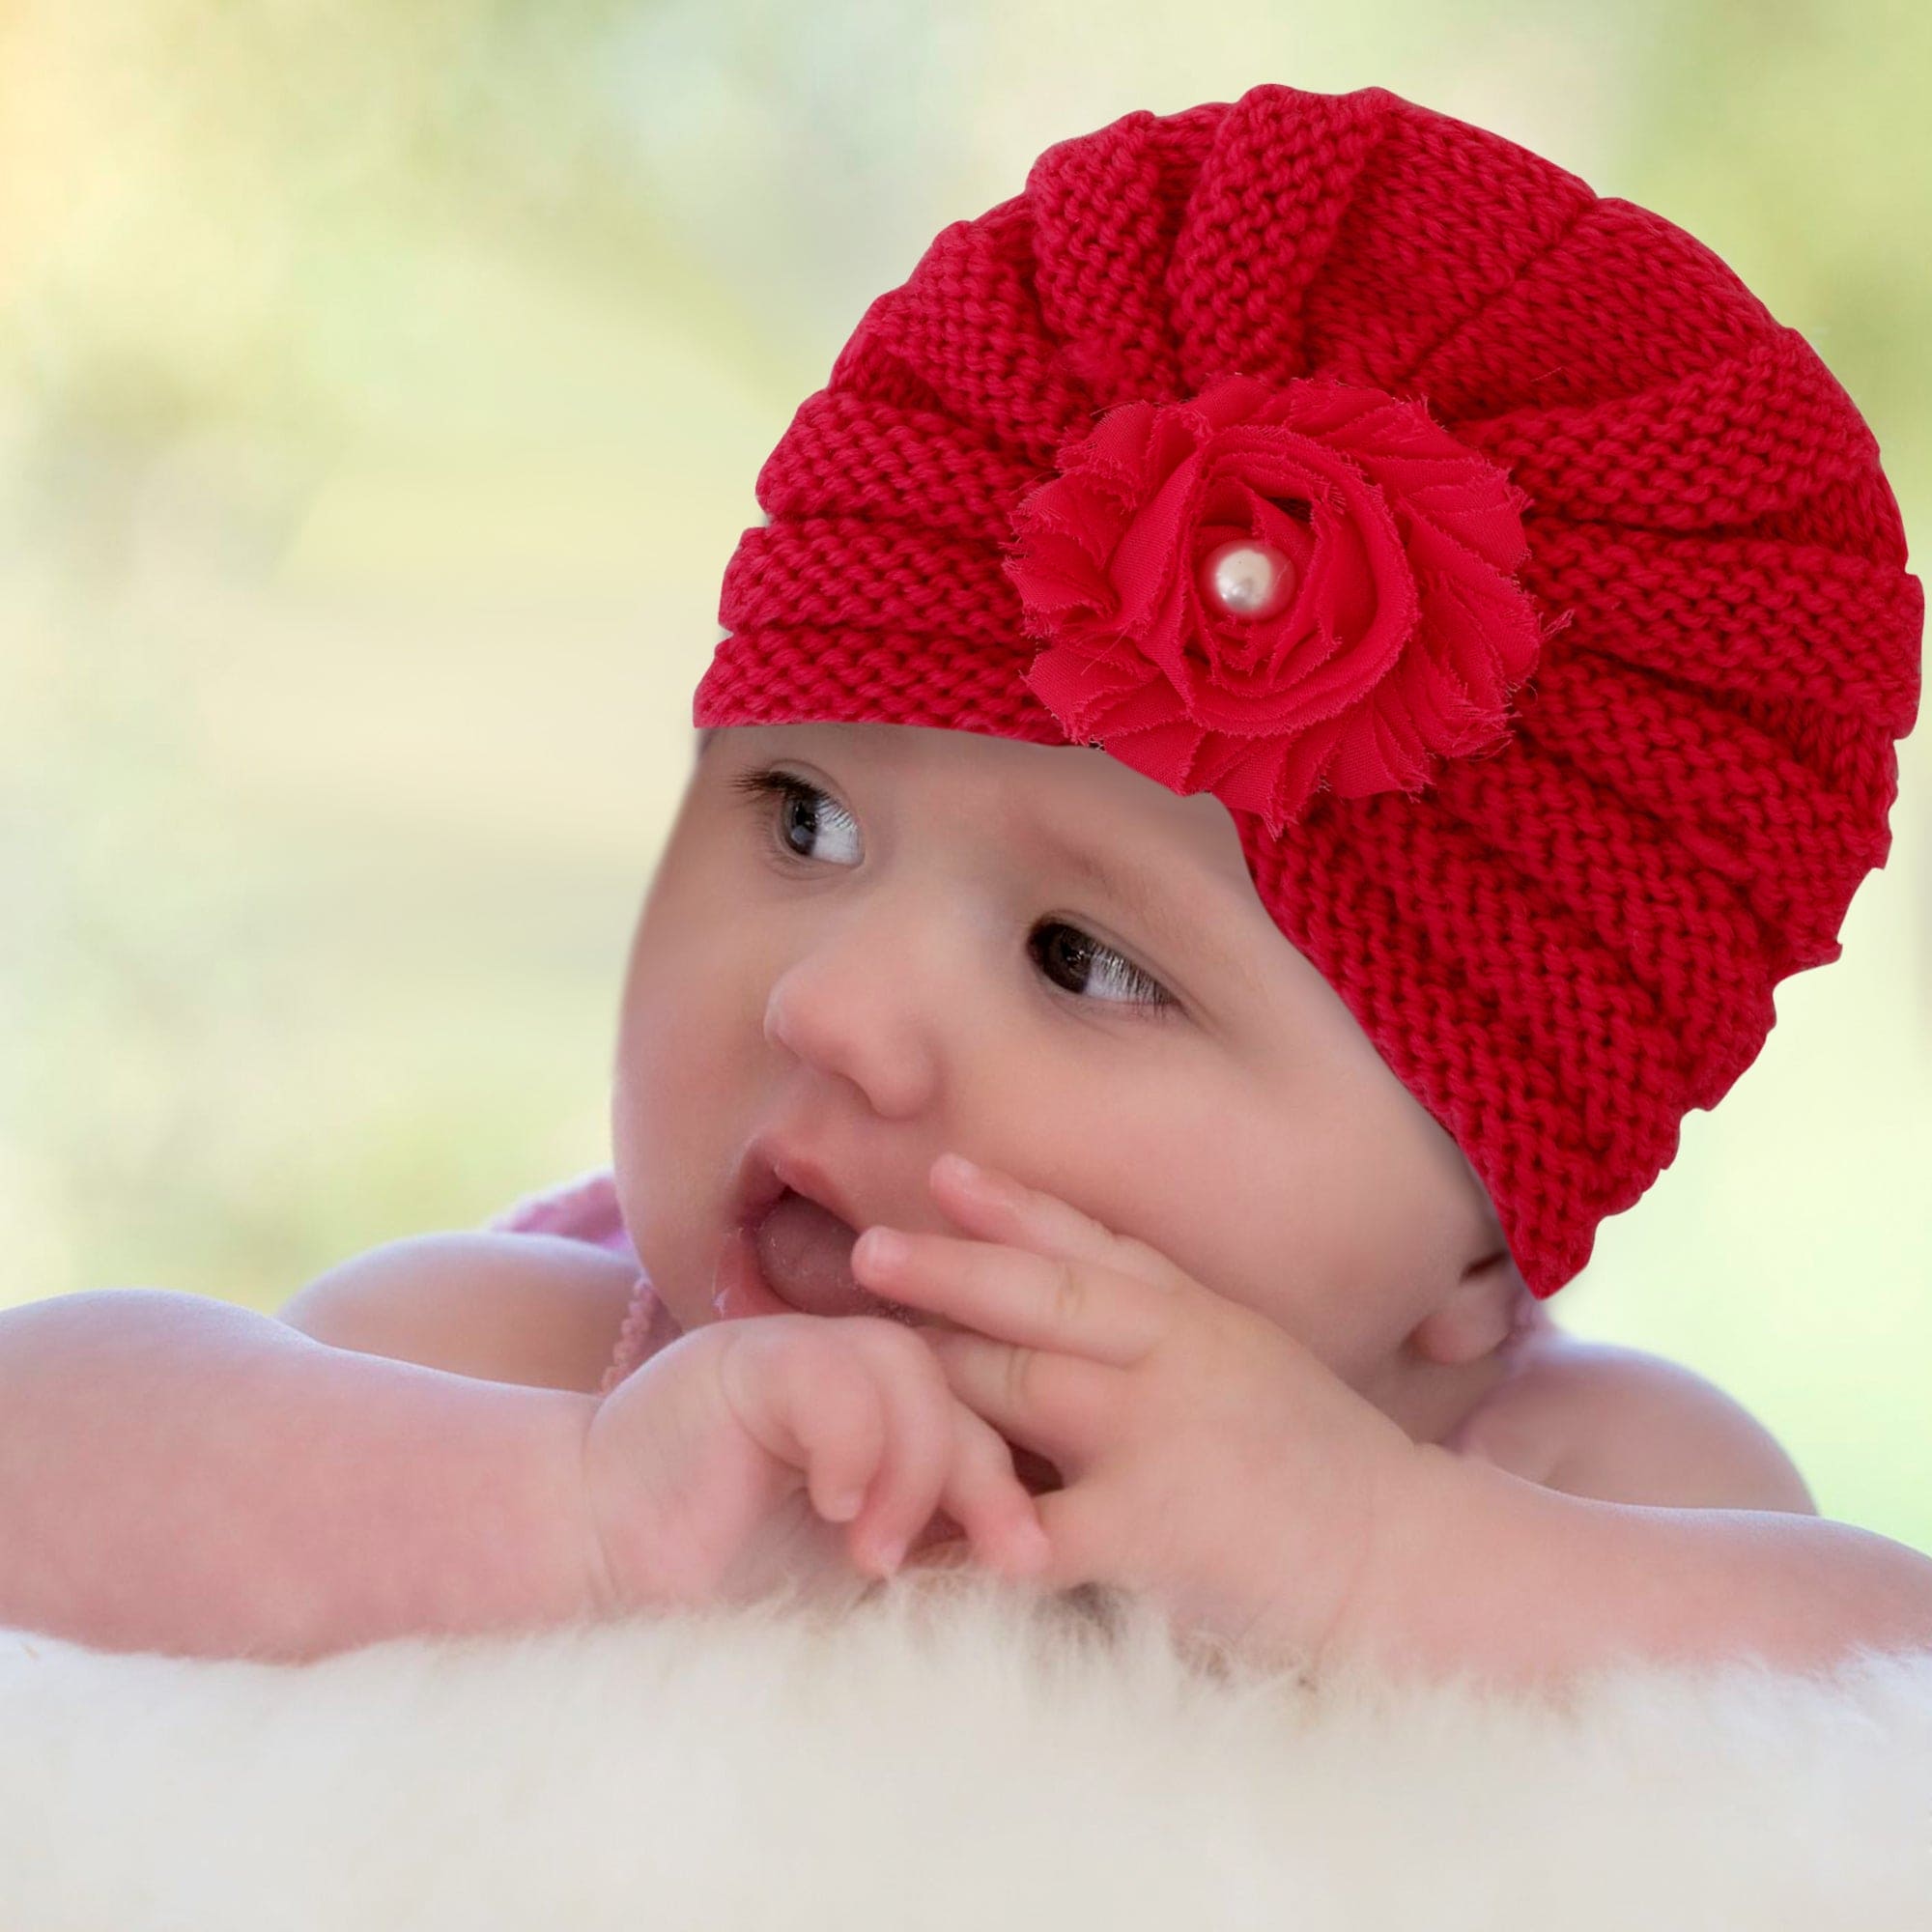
x,y
381,389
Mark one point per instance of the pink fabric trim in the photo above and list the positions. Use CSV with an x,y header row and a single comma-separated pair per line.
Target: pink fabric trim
x,y
581,1209
647,1328
586,1210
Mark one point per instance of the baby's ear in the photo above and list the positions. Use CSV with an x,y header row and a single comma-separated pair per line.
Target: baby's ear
x,y
1475,1317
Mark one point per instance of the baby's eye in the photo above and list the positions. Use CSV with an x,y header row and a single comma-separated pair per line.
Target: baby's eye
x,y
1083,952
803,804
1069,950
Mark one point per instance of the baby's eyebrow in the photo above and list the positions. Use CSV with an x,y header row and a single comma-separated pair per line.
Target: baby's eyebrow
x,y
1146,896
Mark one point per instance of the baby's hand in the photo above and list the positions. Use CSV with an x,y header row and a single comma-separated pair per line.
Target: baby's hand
x,y
712,1472
1211,1461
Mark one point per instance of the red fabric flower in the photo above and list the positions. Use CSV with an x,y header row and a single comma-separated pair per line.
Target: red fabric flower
x,y
1401,634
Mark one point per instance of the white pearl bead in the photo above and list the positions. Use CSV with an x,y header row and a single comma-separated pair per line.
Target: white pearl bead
x,y
1248,578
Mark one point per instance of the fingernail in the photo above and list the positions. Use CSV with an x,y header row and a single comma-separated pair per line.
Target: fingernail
x,y
891,1553
884,1248
962,1169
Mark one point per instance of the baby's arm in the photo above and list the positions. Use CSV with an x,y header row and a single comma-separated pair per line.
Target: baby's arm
x,y
1478,1571
183,1475
1605,1506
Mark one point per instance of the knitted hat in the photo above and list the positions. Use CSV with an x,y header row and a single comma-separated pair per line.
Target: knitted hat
x,y
1532,599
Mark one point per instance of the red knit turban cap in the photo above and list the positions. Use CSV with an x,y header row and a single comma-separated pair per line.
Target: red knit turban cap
x,y
1559,726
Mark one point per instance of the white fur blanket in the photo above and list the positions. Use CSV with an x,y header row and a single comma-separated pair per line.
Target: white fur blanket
x,y
950,1752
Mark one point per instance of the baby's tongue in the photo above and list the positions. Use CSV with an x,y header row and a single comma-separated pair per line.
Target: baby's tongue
x,y
806,1252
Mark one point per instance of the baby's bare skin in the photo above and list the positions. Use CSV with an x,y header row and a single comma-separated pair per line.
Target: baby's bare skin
x,y
207,1481
181,1475
1592,1419
178,1474
1586,1418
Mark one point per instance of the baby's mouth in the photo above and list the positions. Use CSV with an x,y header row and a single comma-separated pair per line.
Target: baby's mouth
x,y
805,1252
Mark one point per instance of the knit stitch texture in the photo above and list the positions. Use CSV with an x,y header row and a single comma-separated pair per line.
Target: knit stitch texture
x,y
1560,941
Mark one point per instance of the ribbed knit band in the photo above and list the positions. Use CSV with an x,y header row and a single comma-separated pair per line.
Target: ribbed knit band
x,y
1577,735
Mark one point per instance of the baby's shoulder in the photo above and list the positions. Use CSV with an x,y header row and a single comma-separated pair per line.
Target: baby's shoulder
x,y
538,1310
1618,1424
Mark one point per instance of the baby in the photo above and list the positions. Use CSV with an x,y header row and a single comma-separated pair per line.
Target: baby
x,y
1277,709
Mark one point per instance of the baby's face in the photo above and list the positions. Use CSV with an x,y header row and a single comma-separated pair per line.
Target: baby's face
x,y
931,940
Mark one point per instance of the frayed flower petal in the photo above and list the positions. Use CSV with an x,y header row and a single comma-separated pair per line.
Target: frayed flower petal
x,y
1403,639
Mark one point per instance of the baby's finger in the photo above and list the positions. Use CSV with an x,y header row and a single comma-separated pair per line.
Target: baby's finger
x,y
986,1497
1073,1307
1065,1409
918,1439
808,1400
986,1198
842,1417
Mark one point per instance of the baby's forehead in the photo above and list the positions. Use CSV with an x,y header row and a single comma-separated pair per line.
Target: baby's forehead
x,y
876,742
1061,798
1083,773
1174,859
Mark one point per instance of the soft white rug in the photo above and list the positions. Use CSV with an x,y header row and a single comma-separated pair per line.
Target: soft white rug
x,y
949,1753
